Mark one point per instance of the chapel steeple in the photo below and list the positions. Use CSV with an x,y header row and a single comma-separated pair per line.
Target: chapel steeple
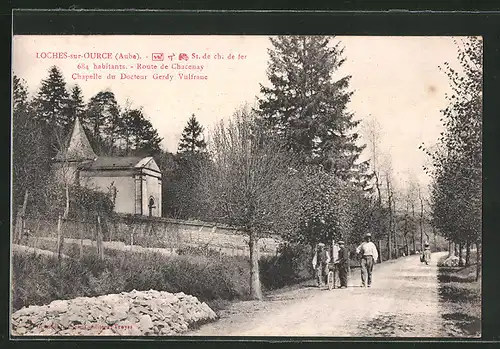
x,y
79,148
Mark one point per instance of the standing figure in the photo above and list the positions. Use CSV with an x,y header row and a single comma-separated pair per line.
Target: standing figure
x,y
369,256
427,253
343,264
320,263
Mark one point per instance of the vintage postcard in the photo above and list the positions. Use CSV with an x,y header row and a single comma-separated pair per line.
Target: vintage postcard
x,y
319,186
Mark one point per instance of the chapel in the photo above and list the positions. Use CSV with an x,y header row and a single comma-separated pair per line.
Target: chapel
x,y
135,182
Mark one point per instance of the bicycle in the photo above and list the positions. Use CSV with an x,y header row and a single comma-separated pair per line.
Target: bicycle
x,y
332,280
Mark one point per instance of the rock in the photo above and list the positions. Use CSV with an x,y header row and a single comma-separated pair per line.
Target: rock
x,y
21,331
146,322
121,308
76,319
58,306
64,321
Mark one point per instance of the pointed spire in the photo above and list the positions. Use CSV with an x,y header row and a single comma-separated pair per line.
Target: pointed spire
x,y
79,148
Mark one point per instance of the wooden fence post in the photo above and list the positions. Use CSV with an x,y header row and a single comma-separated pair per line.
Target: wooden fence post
x,y
20,221
99,238
19,225
85,227
59,238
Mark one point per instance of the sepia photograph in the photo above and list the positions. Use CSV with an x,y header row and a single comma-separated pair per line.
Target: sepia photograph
x,y
246,185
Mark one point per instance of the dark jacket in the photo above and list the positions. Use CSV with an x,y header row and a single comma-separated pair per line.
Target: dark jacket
x,y
343,257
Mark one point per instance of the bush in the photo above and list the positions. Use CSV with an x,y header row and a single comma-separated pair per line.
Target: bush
x,y
290,266
39,280
460,298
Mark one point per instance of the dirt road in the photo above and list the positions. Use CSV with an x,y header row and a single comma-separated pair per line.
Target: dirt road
x,y
402,302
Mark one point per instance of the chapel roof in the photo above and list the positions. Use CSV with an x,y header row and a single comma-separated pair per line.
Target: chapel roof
x,y
114,162
119,163
79,148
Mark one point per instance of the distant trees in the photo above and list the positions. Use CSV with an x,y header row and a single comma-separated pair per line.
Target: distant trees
x,y
190,158
457,162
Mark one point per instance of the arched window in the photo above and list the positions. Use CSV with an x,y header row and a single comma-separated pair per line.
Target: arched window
x,y
151,205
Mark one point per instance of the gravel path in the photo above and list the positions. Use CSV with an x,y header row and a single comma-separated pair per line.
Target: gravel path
x,y
402,302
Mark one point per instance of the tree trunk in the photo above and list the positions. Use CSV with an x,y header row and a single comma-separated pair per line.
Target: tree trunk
x,y
467,253
394,223
435,242
413,228
422,222
478,260
59,238
460,254
389,204
389,245
380,251
255,287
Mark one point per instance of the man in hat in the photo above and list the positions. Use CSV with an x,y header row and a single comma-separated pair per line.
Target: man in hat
x,y
369,256
320,263
343,264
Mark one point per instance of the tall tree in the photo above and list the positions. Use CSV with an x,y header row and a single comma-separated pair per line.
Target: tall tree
x,y
456,196
192,137
30,156
379,213
306,104
52,108
76,103
250,184
148,142
189,160
102,119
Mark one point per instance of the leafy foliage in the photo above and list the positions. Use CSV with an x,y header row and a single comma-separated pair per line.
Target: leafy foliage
x,y
30,160
292,264
84,202
457,163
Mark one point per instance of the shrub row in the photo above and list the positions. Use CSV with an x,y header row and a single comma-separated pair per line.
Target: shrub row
x,y
39,280
292,265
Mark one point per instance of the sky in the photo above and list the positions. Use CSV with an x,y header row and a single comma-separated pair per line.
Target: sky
x,y
395,80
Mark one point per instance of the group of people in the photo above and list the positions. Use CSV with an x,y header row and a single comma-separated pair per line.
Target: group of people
x,y
368,253
366,250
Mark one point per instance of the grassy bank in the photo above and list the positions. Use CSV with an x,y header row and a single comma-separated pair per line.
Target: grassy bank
x,y
212,278
460,297
39,280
